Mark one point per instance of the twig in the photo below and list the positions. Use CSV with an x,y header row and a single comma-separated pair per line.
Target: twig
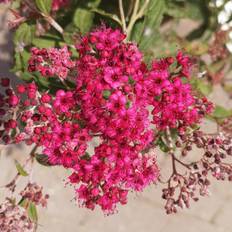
x,y
53,23
12,183
122,16
136,15
48,18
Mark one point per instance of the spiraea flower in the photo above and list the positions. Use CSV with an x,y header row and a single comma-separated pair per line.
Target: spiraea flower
x,y
14,218
51,62
117,99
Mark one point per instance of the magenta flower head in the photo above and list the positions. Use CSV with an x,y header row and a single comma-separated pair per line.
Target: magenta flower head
x,y
117,99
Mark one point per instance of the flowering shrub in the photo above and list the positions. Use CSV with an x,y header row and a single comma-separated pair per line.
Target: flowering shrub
x,y
99,86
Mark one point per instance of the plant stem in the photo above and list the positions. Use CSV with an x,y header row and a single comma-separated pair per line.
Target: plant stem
x,y
12,184
132,19
48,18
53,23
122,15
136,14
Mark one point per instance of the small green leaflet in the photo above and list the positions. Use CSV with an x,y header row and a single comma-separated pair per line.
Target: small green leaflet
x,y
32,212
220,112
20,169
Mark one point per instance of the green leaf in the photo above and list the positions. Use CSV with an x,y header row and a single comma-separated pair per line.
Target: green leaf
x,y
92,3
138,31
83,19
44,6
26,76
193,9
108,15
202,86
70,32
43,42
163,147
23,202
24,34
205,88
42,159
20,169
106,93
83,16
47,40
21,61
32,212
149,29
220,112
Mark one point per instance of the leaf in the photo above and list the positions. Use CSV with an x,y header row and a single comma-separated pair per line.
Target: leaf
x,y
21,61
106,93
70,32
193,9
220,112
137,31
92,3
83,16
43,42
174,10
24,35
42,159
20,169
108,15
23,202
26,76
205,88
202,86
83,19
163,147
174,133
44,6
149,29
32,212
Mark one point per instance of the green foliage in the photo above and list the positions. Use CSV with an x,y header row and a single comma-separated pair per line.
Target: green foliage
x,y
221,113
44,6
106,94
42,159
202,86
24,34
108,15
162,145
146,29
84,15
83,19
32,212
20,169
23,203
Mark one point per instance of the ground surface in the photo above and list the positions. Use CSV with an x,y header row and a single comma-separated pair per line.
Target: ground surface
x,y
143,213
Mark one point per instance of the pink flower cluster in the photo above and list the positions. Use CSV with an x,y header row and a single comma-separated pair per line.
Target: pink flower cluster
x,y
174,103
114,95
50,62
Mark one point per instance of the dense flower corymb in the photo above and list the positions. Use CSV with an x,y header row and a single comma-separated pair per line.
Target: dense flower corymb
x,y
114,92
50,62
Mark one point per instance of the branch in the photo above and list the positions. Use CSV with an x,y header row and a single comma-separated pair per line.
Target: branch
x,y
122,15
12,184
48,18
136,15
